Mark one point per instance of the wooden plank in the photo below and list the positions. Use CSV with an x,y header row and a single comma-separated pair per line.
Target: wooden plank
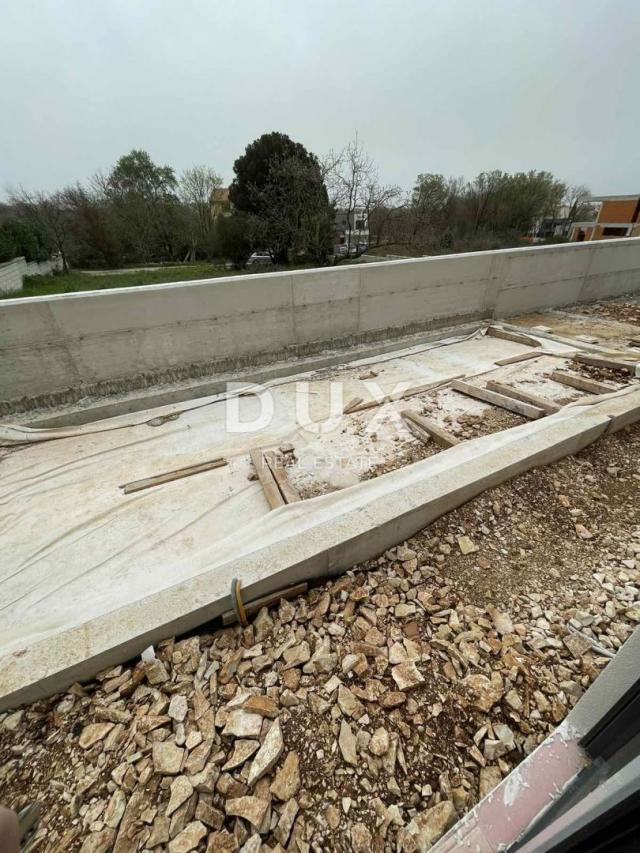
x,y
267,480
429,386
634,342
251,608
410,392
499,332
601,361
351,405
168,476
417,431
287,490
439,435
581,383
371,404
508,403
513,359
524,396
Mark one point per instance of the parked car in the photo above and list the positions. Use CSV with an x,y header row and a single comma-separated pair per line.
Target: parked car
x,y
259,258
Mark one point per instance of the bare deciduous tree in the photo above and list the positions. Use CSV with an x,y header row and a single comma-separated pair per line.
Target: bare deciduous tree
x,y
49,213
196,188
577,199
92,225
355,191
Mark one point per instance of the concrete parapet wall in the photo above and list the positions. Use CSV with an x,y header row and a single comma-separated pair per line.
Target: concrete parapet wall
x,y
60,348
11,274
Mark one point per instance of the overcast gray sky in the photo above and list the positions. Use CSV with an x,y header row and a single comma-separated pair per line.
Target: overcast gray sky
x,y
452,86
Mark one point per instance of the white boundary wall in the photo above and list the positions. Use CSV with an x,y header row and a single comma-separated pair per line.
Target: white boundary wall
x,y
12,273
64,347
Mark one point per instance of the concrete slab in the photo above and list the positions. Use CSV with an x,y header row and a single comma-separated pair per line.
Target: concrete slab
x,y
82,547
325,535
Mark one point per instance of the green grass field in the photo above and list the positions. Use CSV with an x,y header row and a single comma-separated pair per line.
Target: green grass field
x,y
74,282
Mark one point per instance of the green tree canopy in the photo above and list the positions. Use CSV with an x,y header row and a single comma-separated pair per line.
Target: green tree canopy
x,y
235,237
280,183
150,218
20,238
252,169
297,217
136,174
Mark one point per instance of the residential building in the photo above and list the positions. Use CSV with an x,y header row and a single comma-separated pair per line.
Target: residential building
x,y
352,228
548,227
220,201
616,216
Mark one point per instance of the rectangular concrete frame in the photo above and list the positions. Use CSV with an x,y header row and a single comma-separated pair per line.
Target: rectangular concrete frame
x,y
56,349
313,539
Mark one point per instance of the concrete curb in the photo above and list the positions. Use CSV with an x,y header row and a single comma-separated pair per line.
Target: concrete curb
x,y
323,536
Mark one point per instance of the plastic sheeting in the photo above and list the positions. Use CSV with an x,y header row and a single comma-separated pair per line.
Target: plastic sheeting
x,y
75,546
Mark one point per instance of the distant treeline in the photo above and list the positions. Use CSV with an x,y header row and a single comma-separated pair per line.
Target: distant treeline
x,y
283,201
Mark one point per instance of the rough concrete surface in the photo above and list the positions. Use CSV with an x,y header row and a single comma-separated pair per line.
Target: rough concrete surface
x,y
302,541
102,551
63,347
372,712
383,704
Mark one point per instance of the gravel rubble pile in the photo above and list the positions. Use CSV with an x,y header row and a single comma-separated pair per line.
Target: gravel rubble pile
x,y
619,310
367,715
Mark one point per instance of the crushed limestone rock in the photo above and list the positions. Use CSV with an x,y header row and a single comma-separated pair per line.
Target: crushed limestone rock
x,y
370,713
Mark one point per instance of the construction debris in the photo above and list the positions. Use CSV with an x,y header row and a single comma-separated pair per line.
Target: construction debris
x,y
487,396
620,310
601,361
514,359
352,405
357,405
516,337
590,386
368,714
426,429
168,476
267,480
287,490
524,396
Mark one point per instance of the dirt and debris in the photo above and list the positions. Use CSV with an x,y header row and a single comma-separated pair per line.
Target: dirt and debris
x,y
622,312
474,426
367,715
610,323
405,453
602,374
